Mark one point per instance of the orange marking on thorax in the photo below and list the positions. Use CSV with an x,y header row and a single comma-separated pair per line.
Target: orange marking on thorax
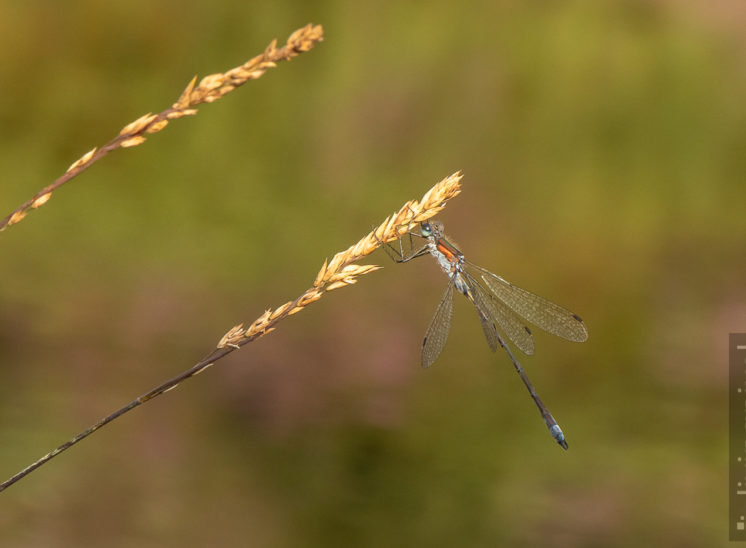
x,y
450,252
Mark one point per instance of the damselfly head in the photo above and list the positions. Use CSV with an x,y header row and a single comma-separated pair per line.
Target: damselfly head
x,y
434,228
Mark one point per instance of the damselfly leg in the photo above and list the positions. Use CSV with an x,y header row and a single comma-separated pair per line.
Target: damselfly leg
x,y
407,252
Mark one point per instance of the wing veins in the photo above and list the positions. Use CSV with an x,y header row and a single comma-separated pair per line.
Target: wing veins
x,y
536,310
437,332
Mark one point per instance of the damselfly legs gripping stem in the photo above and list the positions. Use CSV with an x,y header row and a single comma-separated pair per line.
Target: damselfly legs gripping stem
x,y
499,304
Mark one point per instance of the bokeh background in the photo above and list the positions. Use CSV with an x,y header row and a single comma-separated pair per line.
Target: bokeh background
x,y
603,151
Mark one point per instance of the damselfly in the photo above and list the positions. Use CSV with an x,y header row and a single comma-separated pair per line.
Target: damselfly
x,y
499,304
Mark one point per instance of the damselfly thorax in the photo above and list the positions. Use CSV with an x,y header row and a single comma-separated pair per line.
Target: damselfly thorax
x,y
450,259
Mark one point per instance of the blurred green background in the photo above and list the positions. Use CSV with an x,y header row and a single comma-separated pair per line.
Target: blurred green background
x,y
603,150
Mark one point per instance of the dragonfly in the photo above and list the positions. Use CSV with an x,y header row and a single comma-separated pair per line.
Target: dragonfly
x,y
503,308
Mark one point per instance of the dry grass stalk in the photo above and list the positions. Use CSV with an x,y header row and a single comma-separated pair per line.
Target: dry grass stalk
x,y
339,272
209,89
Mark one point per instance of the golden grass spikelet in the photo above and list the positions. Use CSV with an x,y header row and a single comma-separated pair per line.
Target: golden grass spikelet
x,y
82,160
279,311
41,200
335,285
179,113
320,275
183,101
138,125
132,141
156,127
211,88
260,321
232,337
16,217
303,39
209,83
310,296
271,49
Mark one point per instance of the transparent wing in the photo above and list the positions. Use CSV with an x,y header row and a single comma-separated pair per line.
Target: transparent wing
x,y
491,312
544,314
488,324
437,331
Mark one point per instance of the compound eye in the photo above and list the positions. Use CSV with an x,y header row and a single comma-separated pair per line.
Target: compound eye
x,y
426,229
